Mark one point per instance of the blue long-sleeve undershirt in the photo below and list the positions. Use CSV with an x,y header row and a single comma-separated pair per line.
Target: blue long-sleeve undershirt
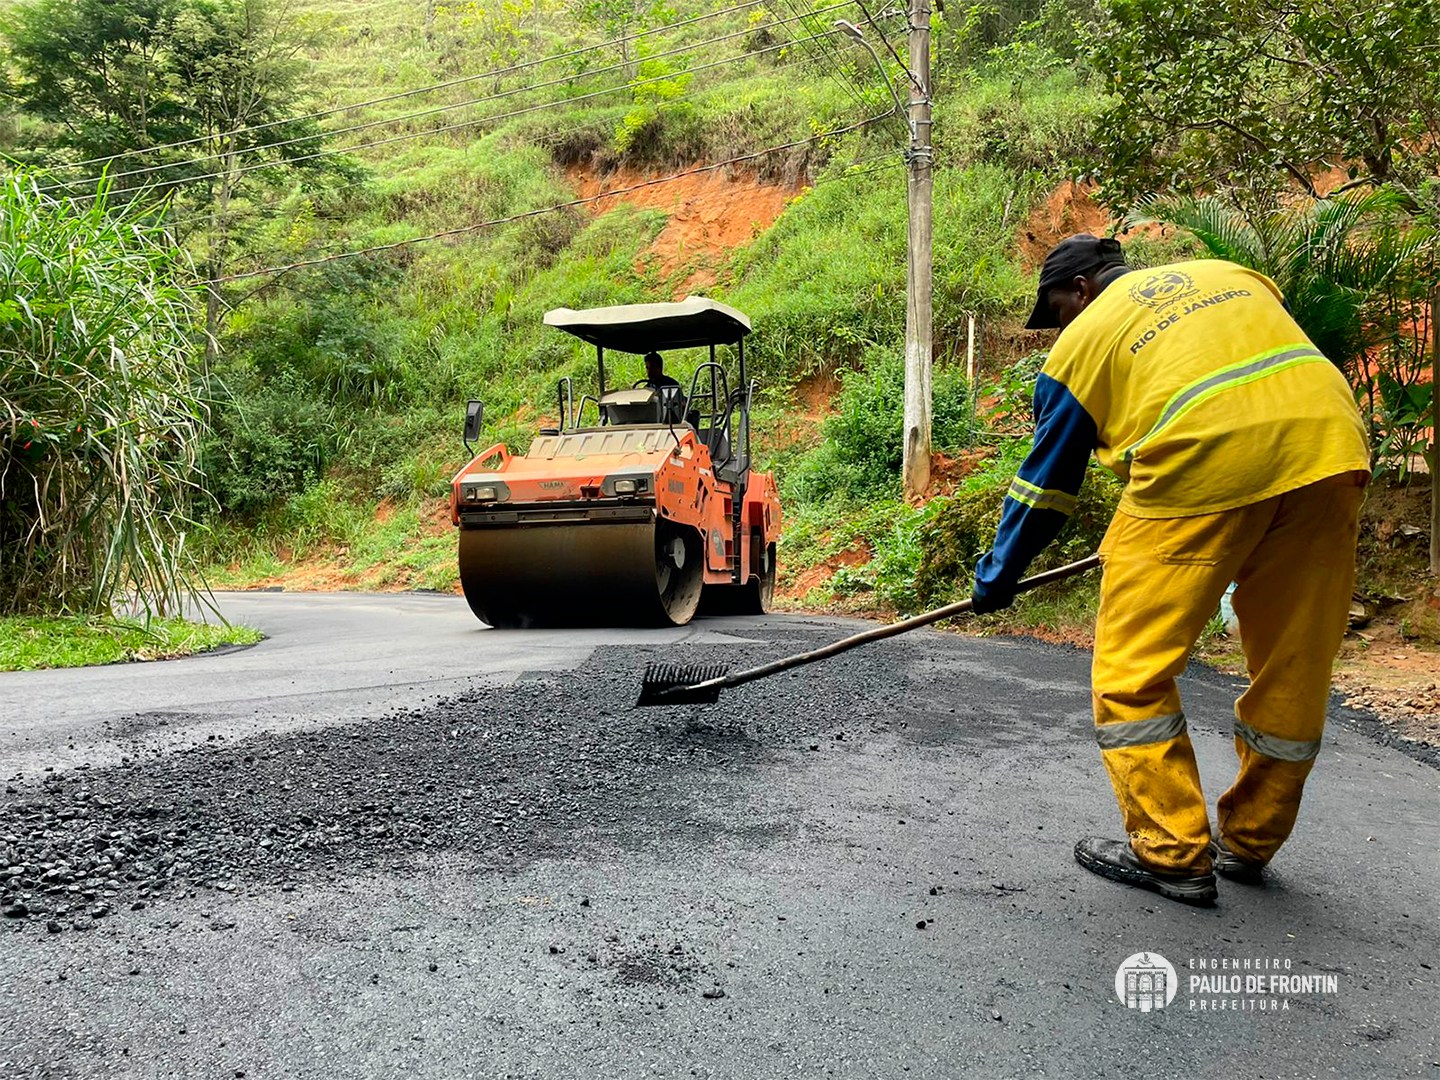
x,y
1045,489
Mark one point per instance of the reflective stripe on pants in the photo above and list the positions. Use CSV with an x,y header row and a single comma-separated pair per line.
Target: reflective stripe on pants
x,y
1292,558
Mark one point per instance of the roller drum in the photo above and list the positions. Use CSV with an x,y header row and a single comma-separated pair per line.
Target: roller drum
x,y
582,574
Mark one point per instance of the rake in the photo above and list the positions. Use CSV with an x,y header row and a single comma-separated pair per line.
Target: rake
x,y
700,684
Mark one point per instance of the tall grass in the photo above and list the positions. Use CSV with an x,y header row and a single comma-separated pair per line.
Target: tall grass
x,y
828,280
100,418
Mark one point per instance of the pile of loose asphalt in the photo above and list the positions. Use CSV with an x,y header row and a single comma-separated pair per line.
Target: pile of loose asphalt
x,y
496,775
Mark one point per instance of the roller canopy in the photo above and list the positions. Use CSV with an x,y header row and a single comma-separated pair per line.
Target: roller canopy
x,y
640,328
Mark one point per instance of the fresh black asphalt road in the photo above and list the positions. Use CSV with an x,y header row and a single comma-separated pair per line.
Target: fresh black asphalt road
x,y
389,842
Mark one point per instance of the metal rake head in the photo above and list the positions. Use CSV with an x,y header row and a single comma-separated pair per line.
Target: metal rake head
x,y
674,684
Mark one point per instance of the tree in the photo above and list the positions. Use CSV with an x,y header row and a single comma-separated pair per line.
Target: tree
x,y
658,98
491,33
99,419
1254,93
241,68
96,70
994,31
623,19
127,79
222,77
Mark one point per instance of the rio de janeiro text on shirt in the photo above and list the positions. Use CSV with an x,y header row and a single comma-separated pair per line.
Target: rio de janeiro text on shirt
x,y
1175,316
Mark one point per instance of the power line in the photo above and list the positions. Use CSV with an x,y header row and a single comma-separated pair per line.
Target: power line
x,y
893,166
274,210
551,137
492,74
828,57
819,56
244,169
423,112
476,227
910,75
880,30
850,70
879,163
550,209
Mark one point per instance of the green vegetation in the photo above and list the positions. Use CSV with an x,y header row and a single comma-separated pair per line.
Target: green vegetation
x,y
343,383
438,142
858,456
102,418
29,642
110,78
923,557
1250,99
961,529
196,102
405,543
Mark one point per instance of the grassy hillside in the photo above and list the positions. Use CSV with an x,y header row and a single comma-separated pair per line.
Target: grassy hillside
x,y
344,383
581,154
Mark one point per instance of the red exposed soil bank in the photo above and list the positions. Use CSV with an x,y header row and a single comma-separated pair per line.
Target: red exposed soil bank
x,y
711,214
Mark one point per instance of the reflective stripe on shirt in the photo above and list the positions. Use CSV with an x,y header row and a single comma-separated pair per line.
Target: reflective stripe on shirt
x,y
1246,371
1041,498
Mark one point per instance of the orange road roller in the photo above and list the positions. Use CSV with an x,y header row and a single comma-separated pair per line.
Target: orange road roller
x,y
641,507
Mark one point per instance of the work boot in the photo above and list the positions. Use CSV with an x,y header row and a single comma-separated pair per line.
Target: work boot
x,y
1116,860
1236,867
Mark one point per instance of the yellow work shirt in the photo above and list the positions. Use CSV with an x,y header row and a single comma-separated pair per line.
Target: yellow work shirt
x,y
1205,393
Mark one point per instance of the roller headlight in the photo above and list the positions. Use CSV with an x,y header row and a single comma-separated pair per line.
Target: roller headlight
x,y
492,491
628,485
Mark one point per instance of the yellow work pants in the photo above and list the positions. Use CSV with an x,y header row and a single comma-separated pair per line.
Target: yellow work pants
x,y
1292,559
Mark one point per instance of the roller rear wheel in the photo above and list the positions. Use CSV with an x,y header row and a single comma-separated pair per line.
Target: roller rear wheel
x,y
755,597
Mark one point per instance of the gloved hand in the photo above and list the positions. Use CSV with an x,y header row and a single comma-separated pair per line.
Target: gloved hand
x,y
985,600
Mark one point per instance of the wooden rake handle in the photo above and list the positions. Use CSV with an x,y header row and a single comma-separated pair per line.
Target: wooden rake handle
x,y
1060,573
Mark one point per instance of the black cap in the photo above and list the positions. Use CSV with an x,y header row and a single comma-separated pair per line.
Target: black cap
x,y
1075,256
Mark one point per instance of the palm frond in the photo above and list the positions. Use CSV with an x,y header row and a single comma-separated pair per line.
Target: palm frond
x,y
1330,257
1224,231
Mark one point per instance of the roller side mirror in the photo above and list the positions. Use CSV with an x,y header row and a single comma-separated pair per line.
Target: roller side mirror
x,y
474,413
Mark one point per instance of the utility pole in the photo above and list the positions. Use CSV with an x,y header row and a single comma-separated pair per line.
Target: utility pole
x,y
919,156
918,337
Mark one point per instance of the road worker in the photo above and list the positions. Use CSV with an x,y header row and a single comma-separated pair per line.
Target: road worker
x,y
1244,459
655,372
673,406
